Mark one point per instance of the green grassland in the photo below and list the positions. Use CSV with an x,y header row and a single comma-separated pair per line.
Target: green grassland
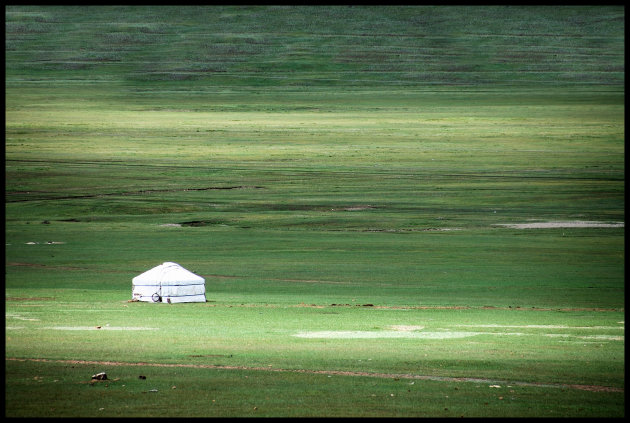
x,y
341,177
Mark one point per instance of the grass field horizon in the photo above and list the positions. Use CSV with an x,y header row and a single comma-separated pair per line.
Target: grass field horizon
x,y
350,183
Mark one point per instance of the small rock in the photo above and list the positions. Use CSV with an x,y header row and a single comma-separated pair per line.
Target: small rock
x,y
142,377
99,376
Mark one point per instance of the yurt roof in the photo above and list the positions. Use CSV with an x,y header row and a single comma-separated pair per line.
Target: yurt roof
x,y
168,272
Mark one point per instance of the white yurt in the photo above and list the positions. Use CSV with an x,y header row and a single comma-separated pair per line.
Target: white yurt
x,y
169,283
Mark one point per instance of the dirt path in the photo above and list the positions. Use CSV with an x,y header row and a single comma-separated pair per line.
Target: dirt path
x,y
592,388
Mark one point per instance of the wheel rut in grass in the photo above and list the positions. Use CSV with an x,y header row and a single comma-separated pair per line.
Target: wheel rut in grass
x,y
68,268
494,382
107,194
562,224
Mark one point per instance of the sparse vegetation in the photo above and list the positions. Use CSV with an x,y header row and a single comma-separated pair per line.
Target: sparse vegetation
x,y
327,170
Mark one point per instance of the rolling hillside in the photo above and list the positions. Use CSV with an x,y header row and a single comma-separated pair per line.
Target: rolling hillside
x,y
307,47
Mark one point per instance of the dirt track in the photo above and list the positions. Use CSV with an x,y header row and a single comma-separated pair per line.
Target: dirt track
x,y
592,388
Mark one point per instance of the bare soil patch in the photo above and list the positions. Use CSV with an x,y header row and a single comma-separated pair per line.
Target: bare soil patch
x,y
410,230
406,327
356,208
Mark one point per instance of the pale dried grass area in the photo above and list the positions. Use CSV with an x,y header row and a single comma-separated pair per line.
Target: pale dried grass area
x,y
562,224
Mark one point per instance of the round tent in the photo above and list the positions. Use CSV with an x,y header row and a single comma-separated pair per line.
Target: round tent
x,y
169,283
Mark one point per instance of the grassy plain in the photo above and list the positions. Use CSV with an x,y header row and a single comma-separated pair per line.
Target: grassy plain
x,y
339,177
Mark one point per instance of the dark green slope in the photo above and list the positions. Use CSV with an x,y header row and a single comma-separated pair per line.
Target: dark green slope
x,y
323,46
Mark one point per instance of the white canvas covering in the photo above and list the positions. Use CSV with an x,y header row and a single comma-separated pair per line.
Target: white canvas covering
x,y
169,282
